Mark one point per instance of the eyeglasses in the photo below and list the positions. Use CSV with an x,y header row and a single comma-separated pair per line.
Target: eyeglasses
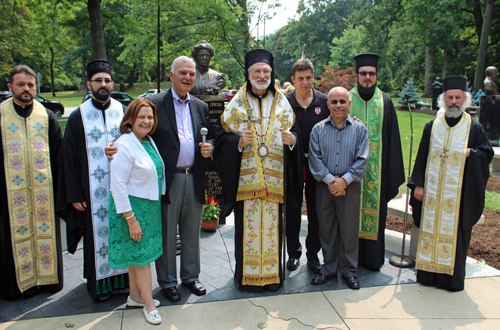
x,y
334,102
367,73
100,80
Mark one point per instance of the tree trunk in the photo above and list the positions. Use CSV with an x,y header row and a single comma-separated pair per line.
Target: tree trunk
x,y
52,85
445,56
483,45
97,29
478,18
429,72
132,76
163,72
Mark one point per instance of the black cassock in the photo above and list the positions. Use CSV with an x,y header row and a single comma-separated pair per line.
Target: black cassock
x,y
8,284
476,176
227,160
74,187
371,253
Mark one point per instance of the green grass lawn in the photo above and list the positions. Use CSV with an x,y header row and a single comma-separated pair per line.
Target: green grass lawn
x,y
74,98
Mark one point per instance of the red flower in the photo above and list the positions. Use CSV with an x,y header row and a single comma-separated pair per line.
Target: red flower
x,y
210,200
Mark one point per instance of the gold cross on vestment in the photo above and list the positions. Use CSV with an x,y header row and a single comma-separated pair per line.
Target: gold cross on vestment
x,y
249,122
270,235
283,120
252,235
444,155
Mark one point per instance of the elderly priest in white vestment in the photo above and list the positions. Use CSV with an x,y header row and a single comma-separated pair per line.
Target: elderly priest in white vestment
x,y
448,184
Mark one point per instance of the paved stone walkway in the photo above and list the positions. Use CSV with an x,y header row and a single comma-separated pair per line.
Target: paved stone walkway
x,y
216,275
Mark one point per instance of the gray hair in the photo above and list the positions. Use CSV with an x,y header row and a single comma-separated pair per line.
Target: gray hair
x,y
465,104
181,59
341,88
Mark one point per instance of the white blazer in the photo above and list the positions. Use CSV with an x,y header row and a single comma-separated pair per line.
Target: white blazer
x,y
133,173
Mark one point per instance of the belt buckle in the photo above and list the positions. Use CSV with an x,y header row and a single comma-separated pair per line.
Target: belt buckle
x,y
188,170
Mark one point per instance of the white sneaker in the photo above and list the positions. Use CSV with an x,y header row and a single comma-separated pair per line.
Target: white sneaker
x,y
153,317
132,303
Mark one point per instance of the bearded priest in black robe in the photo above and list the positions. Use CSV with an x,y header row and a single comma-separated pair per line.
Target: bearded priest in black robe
x,y
448,185
84,181
30,146
252,151
385,171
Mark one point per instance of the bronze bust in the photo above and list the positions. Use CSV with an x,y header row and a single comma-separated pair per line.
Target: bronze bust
x,y
208,81
490,88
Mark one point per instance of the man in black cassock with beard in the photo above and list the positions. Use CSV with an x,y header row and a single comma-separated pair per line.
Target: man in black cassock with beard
x,y
30,240
84,181
250,155
448,184
385,171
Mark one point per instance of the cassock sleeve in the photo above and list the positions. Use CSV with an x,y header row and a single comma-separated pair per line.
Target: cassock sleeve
x,y
418,175
71,188
476,175
55,142
294,172
394,167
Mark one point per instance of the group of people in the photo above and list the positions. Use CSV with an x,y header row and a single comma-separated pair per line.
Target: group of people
x,y
128,179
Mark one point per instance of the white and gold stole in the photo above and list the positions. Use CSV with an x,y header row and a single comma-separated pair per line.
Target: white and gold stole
x,y
30,195
261,181
97,134
442,191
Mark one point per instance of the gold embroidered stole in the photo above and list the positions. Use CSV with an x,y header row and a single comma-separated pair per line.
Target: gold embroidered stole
x,y
372,114
437,241
260,183
30,195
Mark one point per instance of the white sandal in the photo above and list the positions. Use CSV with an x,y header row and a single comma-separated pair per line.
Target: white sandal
x,y
132,303
153,317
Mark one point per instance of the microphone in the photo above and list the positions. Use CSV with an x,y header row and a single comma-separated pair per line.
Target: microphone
x,y
204,132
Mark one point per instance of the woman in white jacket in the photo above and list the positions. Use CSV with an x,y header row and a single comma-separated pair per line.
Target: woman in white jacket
x,y
137,182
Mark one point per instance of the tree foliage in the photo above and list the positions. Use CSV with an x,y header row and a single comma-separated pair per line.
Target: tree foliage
x,y
337,77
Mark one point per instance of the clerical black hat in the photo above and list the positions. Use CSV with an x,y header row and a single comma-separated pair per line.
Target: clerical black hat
x,y
97,66
367,59
454,82
256,56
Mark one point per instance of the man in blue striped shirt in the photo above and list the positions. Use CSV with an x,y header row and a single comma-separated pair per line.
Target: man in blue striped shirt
x,y
338,156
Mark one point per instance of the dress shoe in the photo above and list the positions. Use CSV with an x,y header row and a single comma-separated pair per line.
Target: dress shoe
x,y
352,282
172,294
322,279
314,266
196,287
292,264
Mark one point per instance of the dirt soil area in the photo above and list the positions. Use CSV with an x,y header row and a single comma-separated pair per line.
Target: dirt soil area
x,y
485,242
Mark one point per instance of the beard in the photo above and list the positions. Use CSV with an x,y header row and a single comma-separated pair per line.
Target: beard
x,y
24,97
454,110
101,94
261,87
367,90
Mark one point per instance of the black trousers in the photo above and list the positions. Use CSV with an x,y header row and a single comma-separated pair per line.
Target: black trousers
x,y
293,220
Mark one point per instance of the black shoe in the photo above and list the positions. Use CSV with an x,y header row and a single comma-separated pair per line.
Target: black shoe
x,y
352,282
314,266
292,264
196,287
172,294
322,279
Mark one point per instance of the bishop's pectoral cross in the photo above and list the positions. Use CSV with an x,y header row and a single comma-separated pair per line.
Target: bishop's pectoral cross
x,y
249,122
443,155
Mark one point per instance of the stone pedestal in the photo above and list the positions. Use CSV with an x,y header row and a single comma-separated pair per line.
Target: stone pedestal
x,y
213,184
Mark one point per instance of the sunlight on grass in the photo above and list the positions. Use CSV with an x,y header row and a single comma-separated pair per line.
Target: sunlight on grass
x,y
492,201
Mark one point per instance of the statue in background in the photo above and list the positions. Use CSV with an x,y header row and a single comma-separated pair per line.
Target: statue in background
x,y
208,81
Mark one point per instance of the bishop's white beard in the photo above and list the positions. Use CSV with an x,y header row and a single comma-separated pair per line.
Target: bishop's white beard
x,y
257,86
454,111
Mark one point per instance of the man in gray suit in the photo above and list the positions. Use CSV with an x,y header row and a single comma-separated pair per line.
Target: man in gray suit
x,y
180,119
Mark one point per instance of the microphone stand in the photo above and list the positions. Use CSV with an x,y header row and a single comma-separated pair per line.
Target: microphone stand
x,y
405,261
